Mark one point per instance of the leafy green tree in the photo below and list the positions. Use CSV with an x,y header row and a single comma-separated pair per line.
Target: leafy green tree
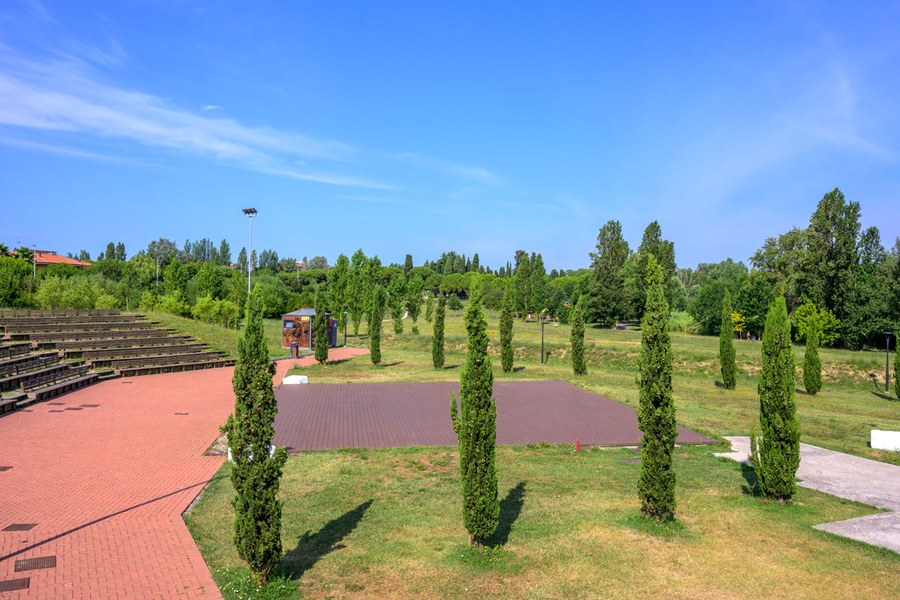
x,y
664,253
726,345
475,423
812,366
579,366
506,330
15,276
256,472
437,340
607,291
656,408
320,327
827,326
378,302
775,456
429,307
407,264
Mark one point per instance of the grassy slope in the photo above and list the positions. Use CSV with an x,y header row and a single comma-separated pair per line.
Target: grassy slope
x,y
217,336
387,523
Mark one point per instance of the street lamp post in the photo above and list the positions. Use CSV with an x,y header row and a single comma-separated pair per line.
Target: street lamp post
x,y
250,213
157,271
33,262
887,360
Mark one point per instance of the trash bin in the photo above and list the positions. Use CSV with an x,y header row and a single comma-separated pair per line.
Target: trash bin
x,y
295,350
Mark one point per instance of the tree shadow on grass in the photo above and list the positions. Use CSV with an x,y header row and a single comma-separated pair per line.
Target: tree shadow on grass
x,y
451,367
510,508
393,364
720,385
518,369
338,361
885,396
313,546
751,488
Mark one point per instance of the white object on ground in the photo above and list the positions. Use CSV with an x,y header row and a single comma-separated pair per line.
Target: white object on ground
x,y
271,453
295,379
885,440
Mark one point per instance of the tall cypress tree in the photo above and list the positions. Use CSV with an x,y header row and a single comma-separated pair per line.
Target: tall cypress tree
x,y
320,327
256,472
656,410
437,340
579,366
506,329
475,423
775,456
812,366
378,301
897,372
726,345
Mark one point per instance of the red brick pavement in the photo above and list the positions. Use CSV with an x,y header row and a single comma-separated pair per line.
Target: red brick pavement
x,y
106,486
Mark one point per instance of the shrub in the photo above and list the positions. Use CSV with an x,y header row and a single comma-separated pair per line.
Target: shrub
x,y
454,303
106,301
378,301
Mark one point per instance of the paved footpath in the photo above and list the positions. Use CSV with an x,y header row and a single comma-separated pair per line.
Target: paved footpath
x,y
99,479
852,477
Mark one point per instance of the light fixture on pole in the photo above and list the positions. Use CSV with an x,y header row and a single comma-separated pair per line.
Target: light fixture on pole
x,y
887,360
250,212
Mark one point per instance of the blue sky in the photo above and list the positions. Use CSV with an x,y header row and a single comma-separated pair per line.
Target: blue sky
x,y
419,127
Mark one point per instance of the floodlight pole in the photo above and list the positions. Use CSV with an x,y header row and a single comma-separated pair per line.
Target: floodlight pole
x,y
887,360
33,262
250,212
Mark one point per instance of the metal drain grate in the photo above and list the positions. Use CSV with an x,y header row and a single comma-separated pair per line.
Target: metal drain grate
x,y
89,405
12,585
39,562
56,410
74,408
182,414
5,469
20,527
56,404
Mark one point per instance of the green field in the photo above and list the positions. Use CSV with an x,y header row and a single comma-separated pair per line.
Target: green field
x,y
387,523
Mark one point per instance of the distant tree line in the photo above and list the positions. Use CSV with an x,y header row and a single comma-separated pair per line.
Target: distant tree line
x,y
832,273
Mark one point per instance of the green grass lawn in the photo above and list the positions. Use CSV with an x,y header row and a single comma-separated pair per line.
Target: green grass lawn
x,y
387,523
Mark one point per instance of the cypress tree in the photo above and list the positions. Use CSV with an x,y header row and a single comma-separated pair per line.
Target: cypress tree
x,y
896,372
506,330
475,423
437,340
378,300
256,472
429,307
320,326
656,410
812,366
775,456
579,366
726,345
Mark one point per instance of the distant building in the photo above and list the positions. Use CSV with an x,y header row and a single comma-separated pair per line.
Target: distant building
x,y
45,258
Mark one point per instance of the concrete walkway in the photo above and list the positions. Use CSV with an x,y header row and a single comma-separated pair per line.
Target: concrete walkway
x,y
846,476
93,485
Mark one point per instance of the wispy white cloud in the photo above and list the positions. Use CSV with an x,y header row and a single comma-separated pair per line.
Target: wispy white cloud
x,y
66,151
372,199
472,172
211,107
68,96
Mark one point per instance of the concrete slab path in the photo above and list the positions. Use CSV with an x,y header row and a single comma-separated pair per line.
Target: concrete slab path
x,y
97,481
861,479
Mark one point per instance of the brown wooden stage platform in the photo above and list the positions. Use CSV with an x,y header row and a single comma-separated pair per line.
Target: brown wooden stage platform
x,y
390,415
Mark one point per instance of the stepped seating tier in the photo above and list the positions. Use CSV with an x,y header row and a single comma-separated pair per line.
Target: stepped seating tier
x,y
105,342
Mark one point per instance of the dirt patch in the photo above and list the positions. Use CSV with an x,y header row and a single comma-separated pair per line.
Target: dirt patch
x,y
218,447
